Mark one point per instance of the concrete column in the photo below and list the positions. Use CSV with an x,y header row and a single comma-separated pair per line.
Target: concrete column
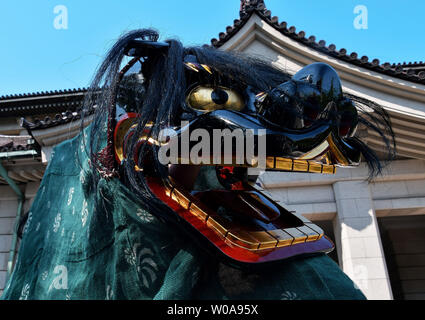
x,y
357,235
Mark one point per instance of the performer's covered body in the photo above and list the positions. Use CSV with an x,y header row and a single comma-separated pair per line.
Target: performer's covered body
x,y
111,220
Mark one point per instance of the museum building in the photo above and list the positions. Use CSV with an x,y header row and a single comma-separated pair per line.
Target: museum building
x,y
378,227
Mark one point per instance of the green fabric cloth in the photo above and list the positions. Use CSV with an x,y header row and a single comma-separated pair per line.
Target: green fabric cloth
x,y
76,246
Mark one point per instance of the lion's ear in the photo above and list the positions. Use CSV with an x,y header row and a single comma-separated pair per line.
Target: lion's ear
x,y
145,48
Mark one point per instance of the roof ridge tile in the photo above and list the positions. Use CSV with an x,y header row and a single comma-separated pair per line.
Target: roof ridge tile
x,y
249,7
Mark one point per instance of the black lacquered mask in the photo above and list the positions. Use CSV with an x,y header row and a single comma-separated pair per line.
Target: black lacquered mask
x,y
302,123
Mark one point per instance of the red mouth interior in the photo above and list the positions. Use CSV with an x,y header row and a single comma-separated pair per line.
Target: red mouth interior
x,y
243,224
249,209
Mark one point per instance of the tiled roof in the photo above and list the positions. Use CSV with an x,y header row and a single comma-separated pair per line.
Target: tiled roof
x,y
43,94
16,143
41,102
412,71
58,119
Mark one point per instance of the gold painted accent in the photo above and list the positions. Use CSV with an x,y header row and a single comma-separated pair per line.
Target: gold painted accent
x,y
120,135
337,153
219,224
168,191
253,240
315,228
242,239
180,198
310,233
326,158
270,162
301,165
192,66
315,167
266,240
151,140
284,164
298,236
320,149
329,169
200,99
284,238
278,163
287,164
207,68
195,210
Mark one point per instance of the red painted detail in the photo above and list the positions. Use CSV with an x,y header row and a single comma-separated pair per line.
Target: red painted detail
x,y
232,251
123,119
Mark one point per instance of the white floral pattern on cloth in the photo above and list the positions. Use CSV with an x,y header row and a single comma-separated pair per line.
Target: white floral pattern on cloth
x,y
44,275
25,292
84,142
288,295
143,260
144,215
109,293
84,213
82,177
147,267
130,256
70,194
57,223
28,223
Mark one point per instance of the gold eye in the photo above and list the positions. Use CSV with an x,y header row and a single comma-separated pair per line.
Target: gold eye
x,y
204,98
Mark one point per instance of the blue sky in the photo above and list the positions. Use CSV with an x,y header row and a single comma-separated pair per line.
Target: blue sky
x,y
35,56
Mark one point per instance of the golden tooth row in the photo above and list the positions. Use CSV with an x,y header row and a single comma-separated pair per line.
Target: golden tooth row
x,y
278,163
251,240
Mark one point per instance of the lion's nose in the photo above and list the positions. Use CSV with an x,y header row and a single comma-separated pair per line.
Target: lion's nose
x,y
323,77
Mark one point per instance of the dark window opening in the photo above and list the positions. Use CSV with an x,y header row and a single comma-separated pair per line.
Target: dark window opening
x,y
403,241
